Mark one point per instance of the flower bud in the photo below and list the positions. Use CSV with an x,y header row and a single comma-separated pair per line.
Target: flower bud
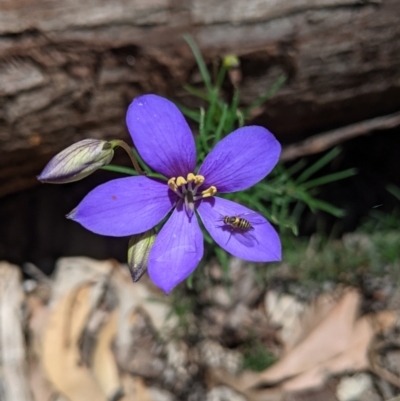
x,y
231,61
77,161
138,253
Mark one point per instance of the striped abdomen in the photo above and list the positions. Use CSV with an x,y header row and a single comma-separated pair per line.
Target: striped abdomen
x,y
237,222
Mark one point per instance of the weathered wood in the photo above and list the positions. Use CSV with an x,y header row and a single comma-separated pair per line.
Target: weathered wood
x,y
69,69
13,369
326,140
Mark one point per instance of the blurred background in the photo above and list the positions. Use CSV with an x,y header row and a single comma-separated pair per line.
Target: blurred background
x,y
68,71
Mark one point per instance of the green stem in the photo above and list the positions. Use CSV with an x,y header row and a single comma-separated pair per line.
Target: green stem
x,y
131,171
127,148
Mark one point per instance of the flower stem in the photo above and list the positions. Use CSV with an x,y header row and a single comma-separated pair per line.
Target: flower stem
x,y
126,147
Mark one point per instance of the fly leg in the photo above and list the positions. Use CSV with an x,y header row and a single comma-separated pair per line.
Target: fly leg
x,y
229,236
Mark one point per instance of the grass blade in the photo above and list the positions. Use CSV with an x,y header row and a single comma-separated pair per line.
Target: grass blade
x,y
271,92
326,179
200,61
324,160
221,124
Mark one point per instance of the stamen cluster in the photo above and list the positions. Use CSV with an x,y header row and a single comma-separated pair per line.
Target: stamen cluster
x,y
187,189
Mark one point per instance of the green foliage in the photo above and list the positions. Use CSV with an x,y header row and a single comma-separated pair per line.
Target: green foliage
x,y
256,356
395,191
287,191
384,222
319,260
388,247
380,221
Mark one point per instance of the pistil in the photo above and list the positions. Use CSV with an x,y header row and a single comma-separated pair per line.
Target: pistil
x,y
187,189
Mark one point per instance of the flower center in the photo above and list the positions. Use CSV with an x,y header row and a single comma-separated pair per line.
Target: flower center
x,y
188,189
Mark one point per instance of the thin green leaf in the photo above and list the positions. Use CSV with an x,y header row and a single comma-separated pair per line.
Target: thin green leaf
x,y
294,228
223,260
202,118
317,165
192,114
201,156
327,207
298,210
232,115
326,179
131,171
189,281
271,92
200,61
221,124
394,190
220,77
120,169
295,168
240,117
271,189
317,204
202,130
255,203
206,235
196,92
210,114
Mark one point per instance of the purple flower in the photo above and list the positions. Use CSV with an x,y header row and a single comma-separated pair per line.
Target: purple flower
x,y
133,205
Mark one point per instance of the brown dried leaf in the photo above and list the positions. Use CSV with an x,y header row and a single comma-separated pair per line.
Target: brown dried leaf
x,y
353,358
139,295
71,272
135,389
104,366
241,385
60,347
325,340
332,341
41,388
313,316
38,313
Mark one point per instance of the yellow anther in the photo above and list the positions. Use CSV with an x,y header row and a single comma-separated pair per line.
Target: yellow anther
x,y
191,177
209,192
199,179
180,181
172,184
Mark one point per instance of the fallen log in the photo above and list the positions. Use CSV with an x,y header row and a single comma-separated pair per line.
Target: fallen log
x,y
69,71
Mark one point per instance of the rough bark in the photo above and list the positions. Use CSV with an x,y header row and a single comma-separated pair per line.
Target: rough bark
x,y
69,69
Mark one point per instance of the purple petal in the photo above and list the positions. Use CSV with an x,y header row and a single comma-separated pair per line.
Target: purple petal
x,y
125,206
177,251
259,244
161,135
241,159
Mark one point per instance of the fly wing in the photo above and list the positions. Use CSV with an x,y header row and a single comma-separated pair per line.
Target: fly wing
x,y
246,238
253,218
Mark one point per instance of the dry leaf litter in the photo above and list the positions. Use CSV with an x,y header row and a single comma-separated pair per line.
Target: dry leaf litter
x,y
89,333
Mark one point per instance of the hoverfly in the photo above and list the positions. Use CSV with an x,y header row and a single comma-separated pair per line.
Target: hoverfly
x,y
242,226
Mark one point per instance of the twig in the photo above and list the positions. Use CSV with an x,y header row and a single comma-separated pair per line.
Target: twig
x,y
31,270
326,140
377,368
